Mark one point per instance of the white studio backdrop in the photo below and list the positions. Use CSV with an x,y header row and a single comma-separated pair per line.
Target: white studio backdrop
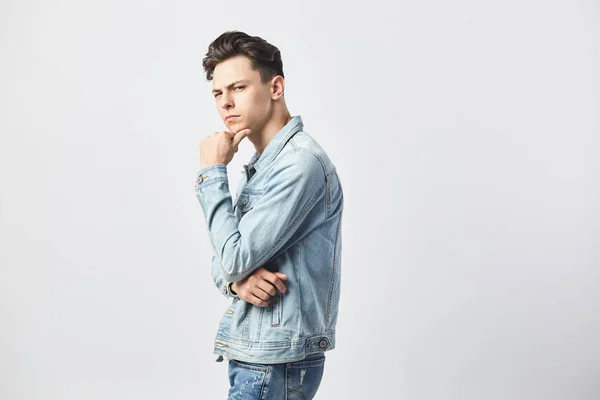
x,y
466,135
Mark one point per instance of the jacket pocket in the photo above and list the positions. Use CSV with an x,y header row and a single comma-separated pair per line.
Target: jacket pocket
x,y
246,201
276,309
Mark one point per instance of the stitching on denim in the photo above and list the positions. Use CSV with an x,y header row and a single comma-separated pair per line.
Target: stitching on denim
x,y
334,275
264,383
241,364
306,364
247,324
328,193
260,318
288,136
207,183
275,345
285,383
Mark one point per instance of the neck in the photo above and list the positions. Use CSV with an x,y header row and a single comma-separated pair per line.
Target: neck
x,y
261,139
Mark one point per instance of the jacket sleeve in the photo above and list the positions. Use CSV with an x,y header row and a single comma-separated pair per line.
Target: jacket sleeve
x,y
220,282
293,187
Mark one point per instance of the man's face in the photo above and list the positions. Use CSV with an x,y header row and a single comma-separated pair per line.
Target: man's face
x,y
238,91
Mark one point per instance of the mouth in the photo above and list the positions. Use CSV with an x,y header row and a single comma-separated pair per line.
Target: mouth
x,y
231,117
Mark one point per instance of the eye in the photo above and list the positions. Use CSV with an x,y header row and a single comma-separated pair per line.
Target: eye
x,y
239,87
217,95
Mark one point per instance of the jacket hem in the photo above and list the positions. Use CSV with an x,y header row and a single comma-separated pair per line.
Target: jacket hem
x,y
274,352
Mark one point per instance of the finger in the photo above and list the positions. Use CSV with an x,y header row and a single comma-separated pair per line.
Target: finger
x,y
276,281
267,287
246,131
258,302
240,136
260,293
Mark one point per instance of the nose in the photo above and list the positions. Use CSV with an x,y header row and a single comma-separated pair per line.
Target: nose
x,y
226,101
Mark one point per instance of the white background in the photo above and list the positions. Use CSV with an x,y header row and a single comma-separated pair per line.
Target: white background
x,y
466,135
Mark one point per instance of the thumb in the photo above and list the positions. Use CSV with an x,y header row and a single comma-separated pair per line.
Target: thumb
x,y
239,136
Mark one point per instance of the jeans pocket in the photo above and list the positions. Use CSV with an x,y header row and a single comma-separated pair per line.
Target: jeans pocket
x,y
246,380
304,377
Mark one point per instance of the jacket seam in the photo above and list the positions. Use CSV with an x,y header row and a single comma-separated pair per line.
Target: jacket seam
x,y
334,275
328,193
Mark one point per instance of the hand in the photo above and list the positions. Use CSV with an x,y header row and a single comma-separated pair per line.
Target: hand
x,y
258,288
220,147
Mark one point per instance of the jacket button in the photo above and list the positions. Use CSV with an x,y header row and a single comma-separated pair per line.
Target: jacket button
x,y
322,343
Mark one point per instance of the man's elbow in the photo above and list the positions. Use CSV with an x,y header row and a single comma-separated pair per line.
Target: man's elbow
x,y
233,274
232,278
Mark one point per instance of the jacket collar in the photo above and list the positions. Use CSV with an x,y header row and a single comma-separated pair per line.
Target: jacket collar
x,y
262,161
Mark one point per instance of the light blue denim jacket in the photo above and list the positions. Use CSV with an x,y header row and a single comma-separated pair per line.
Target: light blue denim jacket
x,y
286,217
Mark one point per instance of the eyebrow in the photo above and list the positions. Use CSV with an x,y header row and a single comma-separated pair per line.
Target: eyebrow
x,y
232,85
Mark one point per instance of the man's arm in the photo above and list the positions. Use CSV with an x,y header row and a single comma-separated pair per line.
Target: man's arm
x,y
292,189
220,282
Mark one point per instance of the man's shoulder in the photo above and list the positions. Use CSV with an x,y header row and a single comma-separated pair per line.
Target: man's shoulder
x,y
304,149
298,160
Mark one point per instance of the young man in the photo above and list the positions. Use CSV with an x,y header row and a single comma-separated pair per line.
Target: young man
x,y
277,246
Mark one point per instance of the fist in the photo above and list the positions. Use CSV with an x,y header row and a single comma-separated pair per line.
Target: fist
x,y
220,147
259,287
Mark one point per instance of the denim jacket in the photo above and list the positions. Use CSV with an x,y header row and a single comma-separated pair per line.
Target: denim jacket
x,y
286,217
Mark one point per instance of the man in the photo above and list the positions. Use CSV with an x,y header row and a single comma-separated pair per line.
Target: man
x,y
277,246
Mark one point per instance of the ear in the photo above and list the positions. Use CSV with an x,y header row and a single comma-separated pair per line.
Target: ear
x,y
277,87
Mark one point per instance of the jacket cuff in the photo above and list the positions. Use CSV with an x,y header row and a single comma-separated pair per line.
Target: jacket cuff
x,y
228,291
209,175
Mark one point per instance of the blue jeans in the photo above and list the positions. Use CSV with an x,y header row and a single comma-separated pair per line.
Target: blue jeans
x,y
298,380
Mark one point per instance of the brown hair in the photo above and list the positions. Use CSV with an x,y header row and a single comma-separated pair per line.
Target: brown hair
x,y
264,57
